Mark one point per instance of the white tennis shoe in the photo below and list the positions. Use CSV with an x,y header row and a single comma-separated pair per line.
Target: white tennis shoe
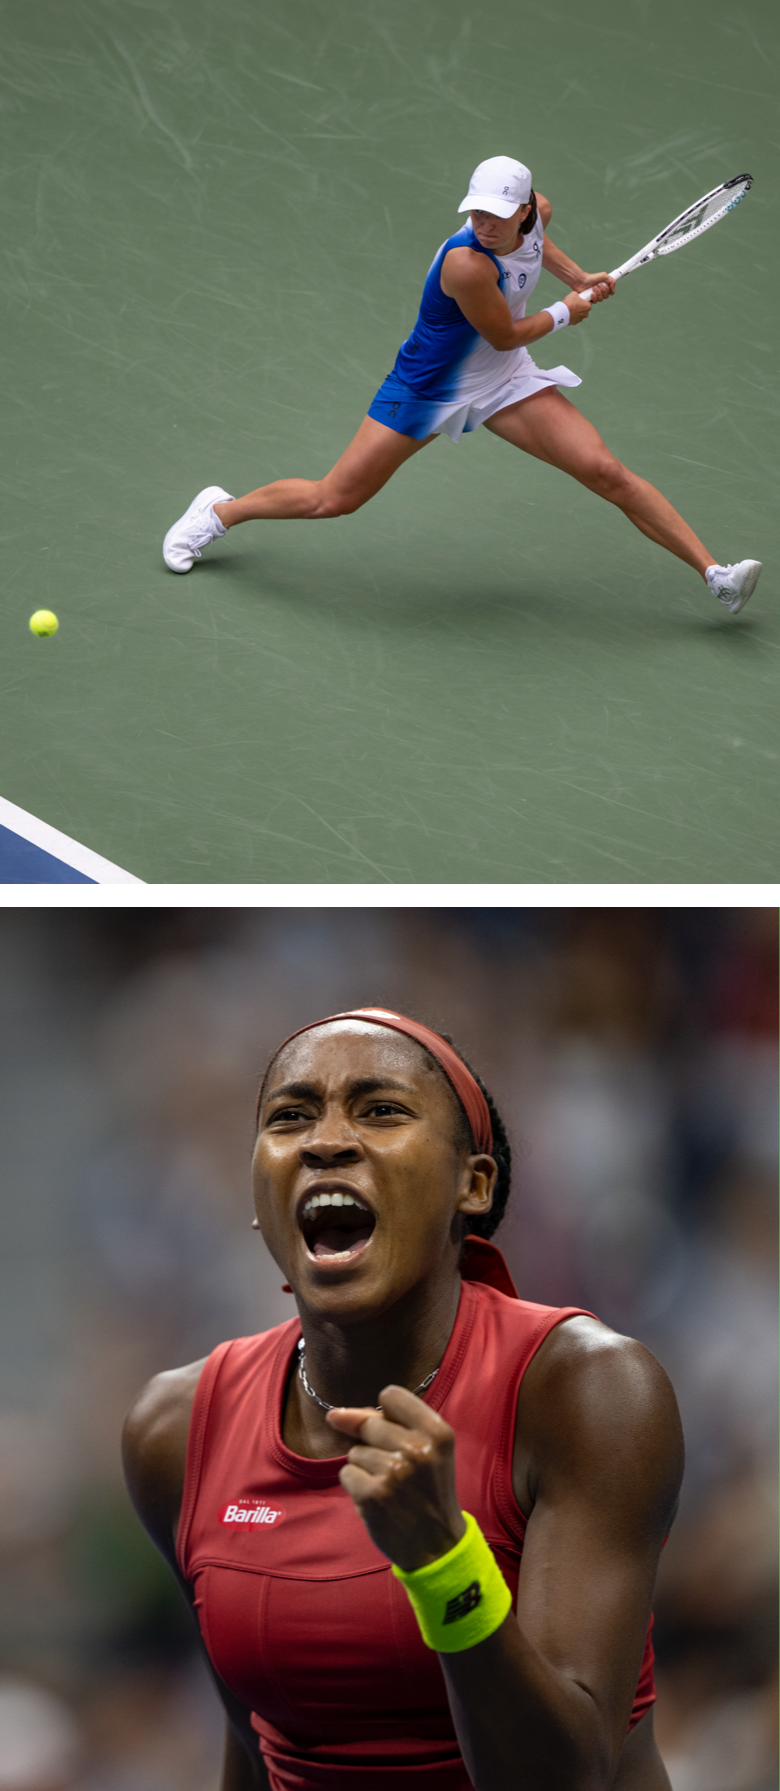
x,y
734,585
194,530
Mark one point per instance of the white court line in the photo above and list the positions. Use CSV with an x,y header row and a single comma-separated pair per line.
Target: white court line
x,y
68,851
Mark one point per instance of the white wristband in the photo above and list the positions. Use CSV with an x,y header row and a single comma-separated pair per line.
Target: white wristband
x,y
559,313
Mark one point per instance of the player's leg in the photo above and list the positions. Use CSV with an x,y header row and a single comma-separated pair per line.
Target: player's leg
x,y
372,457
551,428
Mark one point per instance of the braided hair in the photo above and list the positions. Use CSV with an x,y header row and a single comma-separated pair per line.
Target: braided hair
x,y
481,1225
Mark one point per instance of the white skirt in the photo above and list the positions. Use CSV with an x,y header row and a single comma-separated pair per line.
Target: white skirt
x,y
461,417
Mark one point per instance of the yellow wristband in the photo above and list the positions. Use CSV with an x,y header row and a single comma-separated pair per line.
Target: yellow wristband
x,y
461,1598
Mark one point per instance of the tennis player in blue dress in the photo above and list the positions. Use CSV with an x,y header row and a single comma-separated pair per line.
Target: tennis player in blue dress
x,y
466,364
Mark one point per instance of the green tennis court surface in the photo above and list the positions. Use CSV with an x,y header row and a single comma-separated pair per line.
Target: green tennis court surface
x,y
216,222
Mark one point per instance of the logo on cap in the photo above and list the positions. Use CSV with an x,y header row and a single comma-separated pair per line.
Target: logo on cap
x,y
250,1512
506,192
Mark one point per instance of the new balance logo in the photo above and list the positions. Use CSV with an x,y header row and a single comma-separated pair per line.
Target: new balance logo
x,y
251,1511
465,1602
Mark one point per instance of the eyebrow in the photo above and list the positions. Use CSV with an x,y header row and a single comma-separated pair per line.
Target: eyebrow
x,y
362,1085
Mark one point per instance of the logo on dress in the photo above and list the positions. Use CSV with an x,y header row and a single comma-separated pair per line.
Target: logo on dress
x,y
250,1512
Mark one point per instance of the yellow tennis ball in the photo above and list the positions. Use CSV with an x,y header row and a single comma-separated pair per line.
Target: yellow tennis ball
x,y
44,622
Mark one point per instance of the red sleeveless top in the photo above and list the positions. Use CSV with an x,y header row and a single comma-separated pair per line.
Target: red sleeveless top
x,y
298,1609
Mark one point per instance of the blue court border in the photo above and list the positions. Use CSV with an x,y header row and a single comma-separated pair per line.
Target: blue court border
x,y
33,852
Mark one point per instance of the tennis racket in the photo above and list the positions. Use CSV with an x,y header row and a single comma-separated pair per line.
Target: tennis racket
x,y
690,223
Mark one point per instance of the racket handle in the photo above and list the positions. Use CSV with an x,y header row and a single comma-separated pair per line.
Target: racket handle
x,y
617,274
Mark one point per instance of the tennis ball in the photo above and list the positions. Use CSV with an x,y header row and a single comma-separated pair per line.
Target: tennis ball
x,y
44,622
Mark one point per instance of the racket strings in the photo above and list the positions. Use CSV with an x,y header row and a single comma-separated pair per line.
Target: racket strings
x,y
702,216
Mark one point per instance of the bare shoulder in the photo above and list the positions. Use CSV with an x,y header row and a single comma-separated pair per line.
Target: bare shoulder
x,y
598,1407
466,270
154,1450
544,209
599,1381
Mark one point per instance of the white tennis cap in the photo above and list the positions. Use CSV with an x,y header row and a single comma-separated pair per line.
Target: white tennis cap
x,y
498,186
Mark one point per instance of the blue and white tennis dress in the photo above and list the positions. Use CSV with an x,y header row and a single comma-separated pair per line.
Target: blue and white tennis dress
x,y
447,379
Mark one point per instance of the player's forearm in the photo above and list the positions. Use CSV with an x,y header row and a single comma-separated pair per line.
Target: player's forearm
x,y
520,1720
527,329
561,266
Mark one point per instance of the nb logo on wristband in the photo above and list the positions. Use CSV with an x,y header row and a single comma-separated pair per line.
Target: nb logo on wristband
x,y
465,1602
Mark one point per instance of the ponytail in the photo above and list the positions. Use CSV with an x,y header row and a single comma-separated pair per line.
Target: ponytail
x,y
528,223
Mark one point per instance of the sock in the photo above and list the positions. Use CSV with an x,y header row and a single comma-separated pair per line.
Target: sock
x,y
219,527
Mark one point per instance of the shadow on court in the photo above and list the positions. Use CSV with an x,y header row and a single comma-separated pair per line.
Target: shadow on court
x,y
397,599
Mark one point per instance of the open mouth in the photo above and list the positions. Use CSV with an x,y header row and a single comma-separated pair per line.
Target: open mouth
x,y
336,1225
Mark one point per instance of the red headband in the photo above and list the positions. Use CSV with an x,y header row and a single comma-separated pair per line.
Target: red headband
x,y
467,1090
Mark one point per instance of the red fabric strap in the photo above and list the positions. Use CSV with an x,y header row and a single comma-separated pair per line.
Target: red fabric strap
x,y
467,1090
482,1261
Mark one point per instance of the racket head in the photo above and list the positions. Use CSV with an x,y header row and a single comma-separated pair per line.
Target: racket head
x,y
699,217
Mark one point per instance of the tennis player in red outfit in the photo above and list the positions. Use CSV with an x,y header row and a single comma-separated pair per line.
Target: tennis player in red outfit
x,y
420,1524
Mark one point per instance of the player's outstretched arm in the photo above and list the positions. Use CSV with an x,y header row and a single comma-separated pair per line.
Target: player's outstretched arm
x,y
154,1449
563,268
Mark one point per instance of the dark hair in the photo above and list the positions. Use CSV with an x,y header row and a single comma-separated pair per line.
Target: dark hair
x,y
525,230
482,1226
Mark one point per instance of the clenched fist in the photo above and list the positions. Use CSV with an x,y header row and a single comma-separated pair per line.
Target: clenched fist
x,y
400,1473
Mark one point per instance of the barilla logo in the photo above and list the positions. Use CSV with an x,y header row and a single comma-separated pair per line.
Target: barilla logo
x,y
251,1511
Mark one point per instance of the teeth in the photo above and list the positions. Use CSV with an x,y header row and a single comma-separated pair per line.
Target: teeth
x,y
335,1199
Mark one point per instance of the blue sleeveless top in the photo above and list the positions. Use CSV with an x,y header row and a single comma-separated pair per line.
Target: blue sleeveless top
x,y
431,358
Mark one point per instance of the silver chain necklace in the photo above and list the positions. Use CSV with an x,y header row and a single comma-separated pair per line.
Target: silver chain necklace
x,y
332,1408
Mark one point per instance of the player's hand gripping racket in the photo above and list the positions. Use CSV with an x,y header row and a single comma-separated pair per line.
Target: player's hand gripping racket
x,y
690,223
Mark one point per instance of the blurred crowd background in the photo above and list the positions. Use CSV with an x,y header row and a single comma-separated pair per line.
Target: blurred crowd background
x,y
634,1056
